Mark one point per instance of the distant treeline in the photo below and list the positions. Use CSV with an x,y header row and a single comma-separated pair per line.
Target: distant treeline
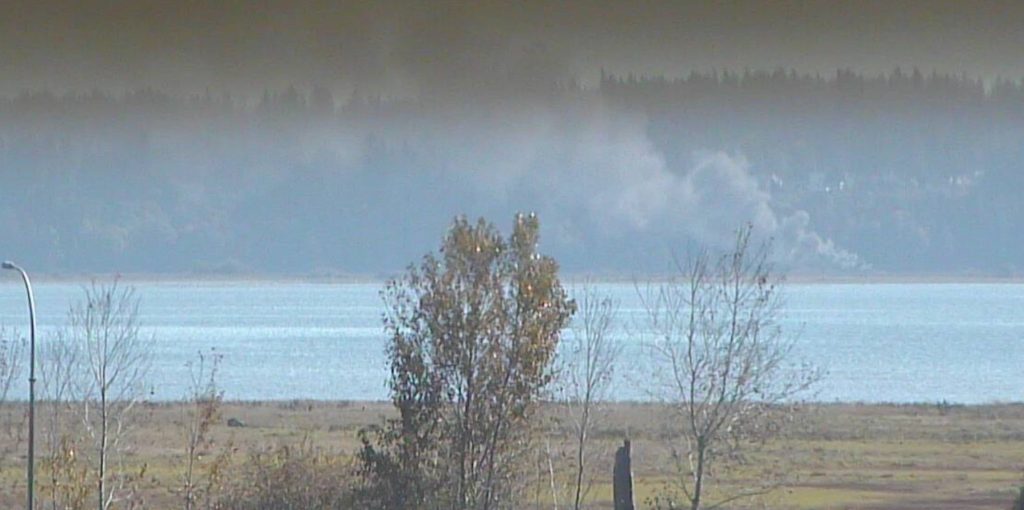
x,y
910,171
905,88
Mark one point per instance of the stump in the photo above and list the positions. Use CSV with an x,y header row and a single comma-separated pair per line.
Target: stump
x,y
623,479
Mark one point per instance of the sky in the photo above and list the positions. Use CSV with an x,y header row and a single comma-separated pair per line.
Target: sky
x,y
406,48
316,137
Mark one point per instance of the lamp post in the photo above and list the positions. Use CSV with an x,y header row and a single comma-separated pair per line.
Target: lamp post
x,y
31,379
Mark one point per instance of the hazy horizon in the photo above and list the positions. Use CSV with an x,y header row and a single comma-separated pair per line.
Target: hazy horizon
x,y
867,139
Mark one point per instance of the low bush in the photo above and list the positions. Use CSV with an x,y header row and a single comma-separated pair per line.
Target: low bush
x,y
289,478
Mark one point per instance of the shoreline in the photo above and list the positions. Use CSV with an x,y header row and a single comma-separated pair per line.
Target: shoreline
x,y
569,279
547,403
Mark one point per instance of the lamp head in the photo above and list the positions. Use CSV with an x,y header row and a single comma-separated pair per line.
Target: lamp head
x,y
7,264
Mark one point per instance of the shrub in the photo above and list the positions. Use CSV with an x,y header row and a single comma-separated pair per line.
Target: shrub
x,y
289,478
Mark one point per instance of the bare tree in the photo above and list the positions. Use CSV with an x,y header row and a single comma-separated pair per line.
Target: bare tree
x,y
200,411
726,362
60,373
587,374
116,358
11,349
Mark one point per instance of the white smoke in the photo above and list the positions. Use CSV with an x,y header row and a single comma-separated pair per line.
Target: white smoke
x,y
598,167
590,171
708,202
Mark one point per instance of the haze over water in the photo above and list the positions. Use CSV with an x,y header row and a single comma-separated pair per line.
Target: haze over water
x,y
876,342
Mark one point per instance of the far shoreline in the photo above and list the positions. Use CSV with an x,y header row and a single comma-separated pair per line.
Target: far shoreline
x,y
569,280
612,404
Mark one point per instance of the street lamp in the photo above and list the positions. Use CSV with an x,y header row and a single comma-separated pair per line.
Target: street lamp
x,y
31,378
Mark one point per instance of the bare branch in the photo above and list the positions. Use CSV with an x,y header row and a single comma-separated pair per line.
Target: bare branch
x,y
116,357
717,337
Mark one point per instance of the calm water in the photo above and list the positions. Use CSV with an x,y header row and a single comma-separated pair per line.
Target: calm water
x,y
877,342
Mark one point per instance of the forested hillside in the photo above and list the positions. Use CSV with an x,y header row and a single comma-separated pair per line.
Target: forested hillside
x,y
850,173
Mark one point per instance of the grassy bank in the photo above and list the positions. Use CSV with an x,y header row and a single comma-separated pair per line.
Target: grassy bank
x,y
835,456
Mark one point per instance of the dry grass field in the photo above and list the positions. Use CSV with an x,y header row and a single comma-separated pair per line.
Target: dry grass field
x,y
833,456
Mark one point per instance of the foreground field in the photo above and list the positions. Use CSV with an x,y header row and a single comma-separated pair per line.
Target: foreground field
x,y
834,456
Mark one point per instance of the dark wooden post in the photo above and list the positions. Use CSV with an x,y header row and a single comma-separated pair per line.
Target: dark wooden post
x,y
623,481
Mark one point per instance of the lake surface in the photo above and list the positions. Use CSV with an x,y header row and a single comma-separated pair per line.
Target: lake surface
x,y
876,342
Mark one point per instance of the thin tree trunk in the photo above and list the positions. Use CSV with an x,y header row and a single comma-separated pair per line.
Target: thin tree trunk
x,y
103,447
551,476
698,485
581,444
